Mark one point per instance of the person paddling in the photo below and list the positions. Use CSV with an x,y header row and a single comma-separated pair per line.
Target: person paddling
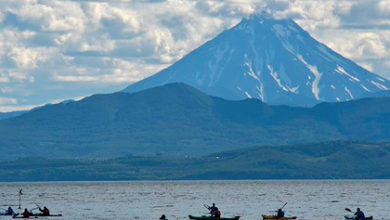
x,y
163,217
26,214
214,211
280,213
9,211
359,215
45,211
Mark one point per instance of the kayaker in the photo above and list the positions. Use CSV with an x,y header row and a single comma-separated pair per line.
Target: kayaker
x,y
214,212
45,211
280,213
9,211
163,217
359,215
26,214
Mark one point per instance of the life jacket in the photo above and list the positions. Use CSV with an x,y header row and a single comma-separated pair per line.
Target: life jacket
x,y
46,211
218,213
26,214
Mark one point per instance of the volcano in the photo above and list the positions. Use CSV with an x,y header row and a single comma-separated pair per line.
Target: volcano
x,y
273,60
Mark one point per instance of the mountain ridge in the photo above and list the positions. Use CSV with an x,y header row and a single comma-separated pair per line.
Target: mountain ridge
x,y
4,115
179,120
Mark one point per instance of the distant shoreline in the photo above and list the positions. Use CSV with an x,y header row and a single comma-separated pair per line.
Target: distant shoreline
x,y
339,160
196,181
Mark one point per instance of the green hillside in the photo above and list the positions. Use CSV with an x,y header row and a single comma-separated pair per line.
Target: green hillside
x,y
327,160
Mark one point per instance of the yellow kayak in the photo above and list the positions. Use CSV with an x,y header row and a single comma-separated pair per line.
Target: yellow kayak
x,y
274,217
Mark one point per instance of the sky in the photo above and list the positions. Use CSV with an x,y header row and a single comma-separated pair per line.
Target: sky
x,y
54,50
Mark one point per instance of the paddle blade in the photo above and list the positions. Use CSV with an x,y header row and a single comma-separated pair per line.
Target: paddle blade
x,y
348,210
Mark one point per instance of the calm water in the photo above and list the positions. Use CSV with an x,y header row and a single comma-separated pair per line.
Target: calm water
x,y
148,200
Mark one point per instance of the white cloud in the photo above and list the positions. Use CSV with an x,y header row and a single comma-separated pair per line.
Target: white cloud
x,y
99,43
124,20
6,101
51,15
4,78
19,76
28,58
77,78
113,70
11,108
384,7
366,45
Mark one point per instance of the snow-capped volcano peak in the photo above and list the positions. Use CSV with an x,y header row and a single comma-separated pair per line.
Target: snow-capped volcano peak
x,y
272,60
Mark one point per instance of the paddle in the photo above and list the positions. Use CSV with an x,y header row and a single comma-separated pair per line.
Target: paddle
x,y
207,206
20,198
34,209
282,207
37,205
348,210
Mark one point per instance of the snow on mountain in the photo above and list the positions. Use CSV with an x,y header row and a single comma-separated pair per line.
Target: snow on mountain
x,y
275,61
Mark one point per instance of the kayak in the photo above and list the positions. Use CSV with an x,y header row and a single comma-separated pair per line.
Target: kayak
x,y
36,216
352,218
209,217
2,213
274,217
21,216
41,215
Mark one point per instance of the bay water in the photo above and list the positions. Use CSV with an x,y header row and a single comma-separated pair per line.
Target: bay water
x,y
307,199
